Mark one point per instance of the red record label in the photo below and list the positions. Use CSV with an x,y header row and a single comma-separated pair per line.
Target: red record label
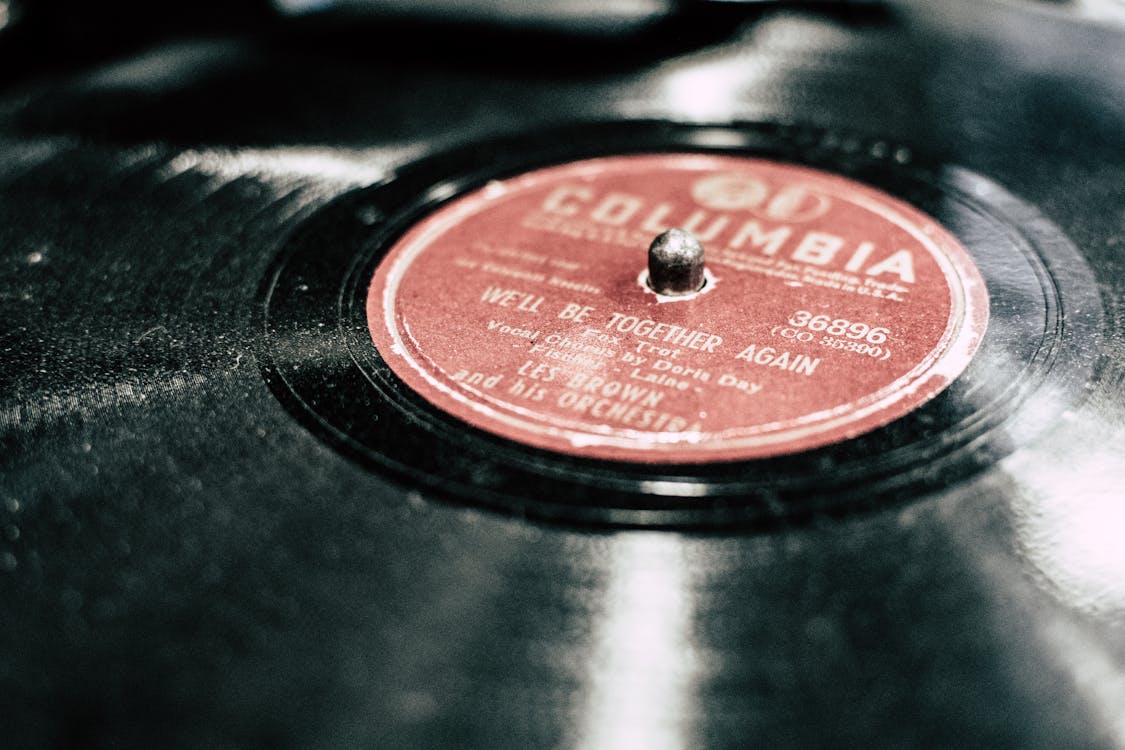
x,y
830,308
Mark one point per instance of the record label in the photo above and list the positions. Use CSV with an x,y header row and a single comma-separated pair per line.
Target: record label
x,y
830,309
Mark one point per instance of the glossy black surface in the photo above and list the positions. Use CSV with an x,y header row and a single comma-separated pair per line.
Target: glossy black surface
x,y
184,564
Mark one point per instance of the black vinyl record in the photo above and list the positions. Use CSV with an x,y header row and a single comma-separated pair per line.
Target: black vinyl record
x,y
227,520
320,283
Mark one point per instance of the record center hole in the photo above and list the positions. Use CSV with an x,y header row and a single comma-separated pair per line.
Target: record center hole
x,y
676,264
708,284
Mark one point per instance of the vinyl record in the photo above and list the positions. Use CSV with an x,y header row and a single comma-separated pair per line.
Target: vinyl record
x,y
317,427
347,393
